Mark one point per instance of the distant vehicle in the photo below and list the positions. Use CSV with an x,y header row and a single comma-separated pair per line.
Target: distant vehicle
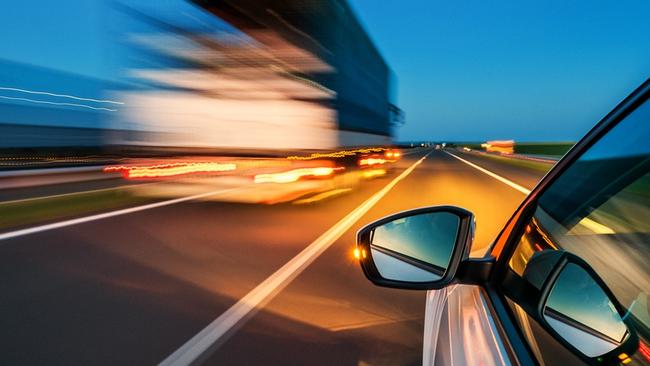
x,y
379,160
566,282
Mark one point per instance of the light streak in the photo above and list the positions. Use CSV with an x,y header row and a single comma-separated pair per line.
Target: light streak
x,y
644,350
372,161
294,175
60,95
169,170
372,173
338,154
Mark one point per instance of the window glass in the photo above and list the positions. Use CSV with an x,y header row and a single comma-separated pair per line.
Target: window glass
x,y
599,209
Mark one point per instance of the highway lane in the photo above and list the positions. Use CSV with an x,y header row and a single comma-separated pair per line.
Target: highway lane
x,y
143,283
525,177
332,315
131,289
44,191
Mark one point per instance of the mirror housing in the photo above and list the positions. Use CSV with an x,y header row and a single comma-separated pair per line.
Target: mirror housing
x,y
554,284
438,275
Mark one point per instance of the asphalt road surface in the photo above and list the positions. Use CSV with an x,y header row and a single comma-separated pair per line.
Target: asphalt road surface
x,y
133,288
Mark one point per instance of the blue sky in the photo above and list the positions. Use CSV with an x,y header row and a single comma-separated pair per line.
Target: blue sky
x,y
82,37
531,71
467,70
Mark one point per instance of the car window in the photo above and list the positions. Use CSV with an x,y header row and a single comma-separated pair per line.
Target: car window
x,y
598,209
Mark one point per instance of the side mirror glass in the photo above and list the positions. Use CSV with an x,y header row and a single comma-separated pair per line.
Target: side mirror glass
x,y
576,307
582,313
416,249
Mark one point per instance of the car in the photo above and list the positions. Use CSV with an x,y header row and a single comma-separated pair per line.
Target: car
x,y
567,280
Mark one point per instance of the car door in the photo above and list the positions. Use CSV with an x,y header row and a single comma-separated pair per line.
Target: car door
x,y
595,204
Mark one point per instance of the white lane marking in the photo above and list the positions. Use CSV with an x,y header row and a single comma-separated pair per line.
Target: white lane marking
x,y
60,95
23,200
59,103
493,175
586,222
81,220
200,345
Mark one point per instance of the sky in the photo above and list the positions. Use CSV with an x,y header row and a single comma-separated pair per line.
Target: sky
x,y
466,70
523,70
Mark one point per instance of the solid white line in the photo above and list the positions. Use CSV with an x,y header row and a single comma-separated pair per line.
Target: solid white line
x,y
60,95
586,222
202,343
58,103
23,200
81,220
493,175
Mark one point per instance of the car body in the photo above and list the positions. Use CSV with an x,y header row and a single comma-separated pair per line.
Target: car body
x,y
584,230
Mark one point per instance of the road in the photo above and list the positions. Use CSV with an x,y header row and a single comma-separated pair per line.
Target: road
x,y
133,288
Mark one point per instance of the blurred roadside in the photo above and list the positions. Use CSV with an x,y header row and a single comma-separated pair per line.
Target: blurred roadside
x,y
138,78
116,103
30,196
538,156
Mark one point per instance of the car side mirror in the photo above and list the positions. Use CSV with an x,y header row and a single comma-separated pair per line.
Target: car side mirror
x,y
579,310
416,249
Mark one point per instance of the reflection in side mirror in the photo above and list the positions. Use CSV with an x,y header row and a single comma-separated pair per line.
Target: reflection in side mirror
x,y
582,313
418,249
415,248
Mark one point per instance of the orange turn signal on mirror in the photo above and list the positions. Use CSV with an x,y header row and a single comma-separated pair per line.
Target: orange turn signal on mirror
x,y
359,254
